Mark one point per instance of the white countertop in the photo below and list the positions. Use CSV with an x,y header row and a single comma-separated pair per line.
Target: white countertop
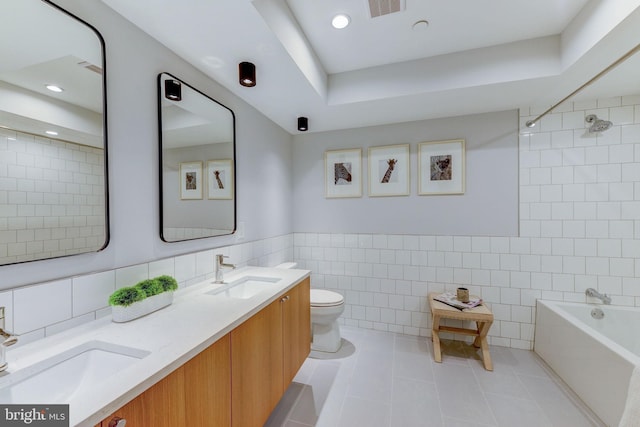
x,y
172,335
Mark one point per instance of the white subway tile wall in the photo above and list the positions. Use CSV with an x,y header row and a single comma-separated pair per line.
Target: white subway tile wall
x,y
171,234
41,310
579,228
51,197
579,208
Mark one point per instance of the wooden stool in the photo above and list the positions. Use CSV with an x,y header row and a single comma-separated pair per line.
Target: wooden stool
x,y
481,314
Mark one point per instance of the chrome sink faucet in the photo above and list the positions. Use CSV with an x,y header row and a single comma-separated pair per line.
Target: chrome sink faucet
x,y
590,292
6,339
220,264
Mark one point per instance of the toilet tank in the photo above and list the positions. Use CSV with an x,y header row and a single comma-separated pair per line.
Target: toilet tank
x,y
287,265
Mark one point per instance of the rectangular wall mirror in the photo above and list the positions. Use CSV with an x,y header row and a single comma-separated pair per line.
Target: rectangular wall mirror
x,y
197,163
53,184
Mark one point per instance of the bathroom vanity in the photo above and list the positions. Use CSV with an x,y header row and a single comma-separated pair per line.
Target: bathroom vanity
x,y
220,355
238,380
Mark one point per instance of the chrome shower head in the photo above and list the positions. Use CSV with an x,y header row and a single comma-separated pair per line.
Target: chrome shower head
x,y
597,125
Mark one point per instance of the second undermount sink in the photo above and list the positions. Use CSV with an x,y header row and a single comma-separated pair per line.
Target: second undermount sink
x,y
245,287
73,372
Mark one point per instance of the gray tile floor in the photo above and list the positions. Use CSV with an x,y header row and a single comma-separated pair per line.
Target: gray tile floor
x,y
390,380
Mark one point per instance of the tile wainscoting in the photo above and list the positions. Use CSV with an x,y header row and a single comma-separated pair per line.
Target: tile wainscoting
x,y
52,199
579,228
47,308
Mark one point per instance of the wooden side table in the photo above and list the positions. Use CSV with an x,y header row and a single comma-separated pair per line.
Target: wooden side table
x,y
481,314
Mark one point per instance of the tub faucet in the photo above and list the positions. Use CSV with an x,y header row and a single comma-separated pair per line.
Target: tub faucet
x,y
590,292
6,339
218,268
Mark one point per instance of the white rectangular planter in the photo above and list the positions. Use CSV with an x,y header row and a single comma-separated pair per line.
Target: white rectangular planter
x,y
148,305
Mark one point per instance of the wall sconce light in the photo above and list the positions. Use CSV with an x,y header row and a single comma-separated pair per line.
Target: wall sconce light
x,y
303,124
172,90
247,74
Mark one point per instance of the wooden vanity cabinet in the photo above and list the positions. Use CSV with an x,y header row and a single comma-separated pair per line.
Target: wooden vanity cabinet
x,y
296,330
267,351
161,405
196,394
238,380
207,381
256,367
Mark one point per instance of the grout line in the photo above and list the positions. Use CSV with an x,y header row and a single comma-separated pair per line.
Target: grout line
x,y
484,396
433,375
537,403
569,393
393,377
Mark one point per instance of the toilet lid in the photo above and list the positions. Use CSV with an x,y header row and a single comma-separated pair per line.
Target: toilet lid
x,y
325,298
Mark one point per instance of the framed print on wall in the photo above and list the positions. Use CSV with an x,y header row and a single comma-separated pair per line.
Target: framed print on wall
x,y
343,173
191,180
441,166
220,179
389,170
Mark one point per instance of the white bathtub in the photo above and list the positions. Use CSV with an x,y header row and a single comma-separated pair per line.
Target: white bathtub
x,y
595,357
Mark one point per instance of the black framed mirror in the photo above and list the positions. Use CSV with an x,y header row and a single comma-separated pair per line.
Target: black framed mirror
x,y
197,163
53,138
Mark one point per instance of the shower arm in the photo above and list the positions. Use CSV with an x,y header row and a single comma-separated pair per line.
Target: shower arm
x,y
532,123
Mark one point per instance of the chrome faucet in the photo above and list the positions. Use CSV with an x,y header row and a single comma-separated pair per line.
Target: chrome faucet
x,y
6,339
218,268
590,292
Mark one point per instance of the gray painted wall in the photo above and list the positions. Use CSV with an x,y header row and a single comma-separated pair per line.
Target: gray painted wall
x,y
194,213
489,206
263,157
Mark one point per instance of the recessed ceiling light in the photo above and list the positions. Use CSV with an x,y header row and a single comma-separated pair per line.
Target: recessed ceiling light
x,y
340,21
51,132
54,88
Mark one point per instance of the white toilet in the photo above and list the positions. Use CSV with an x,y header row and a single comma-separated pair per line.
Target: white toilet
x,y
326,307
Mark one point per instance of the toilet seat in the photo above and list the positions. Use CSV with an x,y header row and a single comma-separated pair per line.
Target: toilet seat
x,y
325,298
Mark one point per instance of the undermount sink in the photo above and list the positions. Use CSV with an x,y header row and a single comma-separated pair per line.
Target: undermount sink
x,y
245,287
76,371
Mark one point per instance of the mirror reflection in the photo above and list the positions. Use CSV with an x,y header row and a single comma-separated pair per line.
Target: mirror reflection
x,y
52,138
197,157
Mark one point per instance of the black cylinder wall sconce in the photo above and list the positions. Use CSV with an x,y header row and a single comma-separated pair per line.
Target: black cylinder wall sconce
x,y
172,90
247,74
303,124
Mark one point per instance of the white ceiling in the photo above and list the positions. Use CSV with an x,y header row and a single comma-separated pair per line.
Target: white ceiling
x,y
474,56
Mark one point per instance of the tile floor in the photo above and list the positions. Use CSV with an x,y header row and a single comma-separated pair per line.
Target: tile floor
x,y
390,380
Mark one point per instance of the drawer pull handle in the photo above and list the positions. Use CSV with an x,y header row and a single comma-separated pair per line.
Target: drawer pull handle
x,y
285,298
117,422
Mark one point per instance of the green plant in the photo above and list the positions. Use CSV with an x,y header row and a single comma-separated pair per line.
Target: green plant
x,y
150,287
126,296
168,283
143,289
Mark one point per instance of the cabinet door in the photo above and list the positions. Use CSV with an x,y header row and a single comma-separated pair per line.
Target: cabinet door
x,y
160,406
207,380
256,367
296,327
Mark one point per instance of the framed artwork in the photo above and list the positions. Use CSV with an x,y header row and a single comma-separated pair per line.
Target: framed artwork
x,y
191,180
389,170
441,167
220,179
343,173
